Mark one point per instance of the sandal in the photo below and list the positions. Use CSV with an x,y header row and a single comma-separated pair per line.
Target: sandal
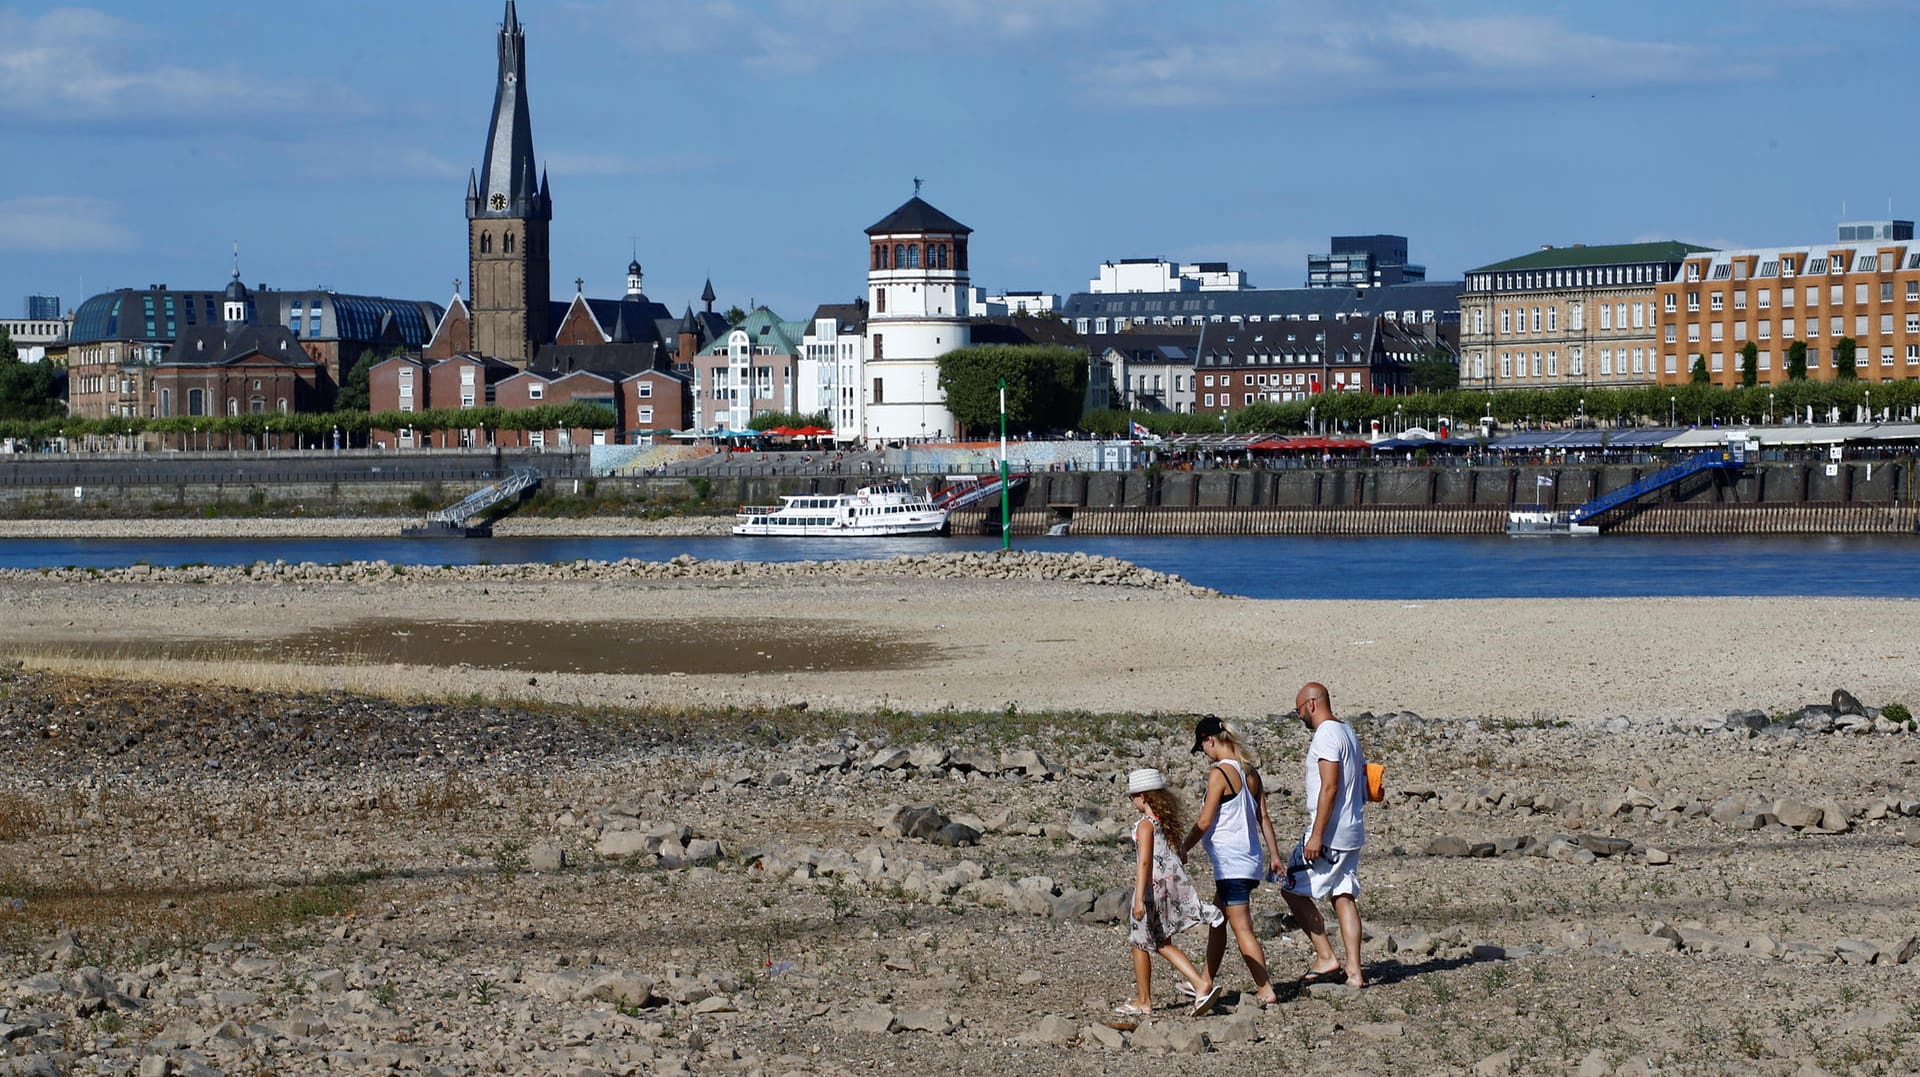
x,y
1133,1009
1205,1002
1185,990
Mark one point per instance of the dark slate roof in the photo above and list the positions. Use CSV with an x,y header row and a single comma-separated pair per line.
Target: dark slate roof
x,y
641,316
152,314
849,317
614,360
915,215
1025,331
1150,347
1616,254
213,345
1441,297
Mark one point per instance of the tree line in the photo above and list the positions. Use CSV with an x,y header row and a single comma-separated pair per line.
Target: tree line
x,y
318,427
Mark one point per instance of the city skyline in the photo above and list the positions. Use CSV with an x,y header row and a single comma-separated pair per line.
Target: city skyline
x,y
751,143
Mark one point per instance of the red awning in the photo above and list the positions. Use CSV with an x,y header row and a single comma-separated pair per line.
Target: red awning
x,y
812,432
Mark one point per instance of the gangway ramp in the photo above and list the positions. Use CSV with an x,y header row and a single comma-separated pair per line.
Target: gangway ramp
x,y
1629,499
457,518
972,493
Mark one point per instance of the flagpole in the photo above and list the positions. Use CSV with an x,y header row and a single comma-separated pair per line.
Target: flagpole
x,y
1006,502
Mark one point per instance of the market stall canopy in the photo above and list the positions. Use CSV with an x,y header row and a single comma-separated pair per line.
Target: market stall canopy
x,y
812,432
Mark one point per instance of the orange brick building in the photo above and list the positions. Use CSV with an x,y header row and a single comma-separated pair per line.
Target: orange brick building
x,y
1866,288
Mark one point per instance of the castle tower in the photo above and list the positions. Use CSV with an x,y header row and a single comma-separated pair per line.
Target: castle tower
x,y
916,312
508,211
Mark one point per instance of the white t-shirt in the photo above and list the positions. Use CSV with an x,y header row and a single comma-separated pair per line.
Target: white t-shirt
x,y
1335,740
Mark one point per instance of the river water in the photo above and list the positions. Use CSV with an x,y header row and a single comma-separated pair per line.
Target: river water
x,y
1885,566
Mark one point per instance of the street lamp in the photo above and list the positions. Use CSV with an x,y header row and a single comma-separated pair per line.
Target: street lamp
x,y
1673,403
1398,426
1867,394
1313,422
1769,409
1583,412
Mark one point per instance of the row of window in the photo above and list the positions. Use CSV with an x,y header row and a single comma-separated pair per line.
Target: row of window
x,y
1835,264
1588,277
1789,327
908,256
1103,326
1763,298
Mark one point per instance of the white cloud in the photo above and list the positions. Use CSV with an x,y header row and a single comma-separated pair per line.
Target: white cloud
x,y
1337,52
80,65
60,224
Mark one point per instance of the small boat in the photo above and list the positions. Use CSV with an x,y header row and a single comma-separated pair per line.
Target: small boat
x,y
1541,520
881,509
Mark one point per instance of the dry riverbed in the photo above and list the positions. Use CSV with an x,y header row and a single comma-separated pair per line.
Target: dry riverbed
x,y
225,866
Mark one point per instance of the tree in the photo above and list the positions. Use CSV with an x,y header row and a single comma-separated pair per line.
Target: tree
x,y
735,315
1436,372
357,393
27,390
1750,365
1843,360
1700,375
1797,361
1046,385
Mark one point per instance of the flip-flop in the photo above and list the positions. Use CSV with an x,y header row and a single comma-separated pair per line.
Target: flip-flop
x,y
1205,1002
1133,1009
1185,989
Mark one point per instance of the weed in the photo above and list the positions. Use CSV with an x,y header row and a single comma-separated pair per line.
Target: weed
x,y
839,899
510,858
386,993
483,992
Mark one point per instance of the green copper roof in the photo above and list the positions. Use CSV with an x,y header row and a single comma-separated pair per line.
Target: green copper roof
x,y
766,330
1617,254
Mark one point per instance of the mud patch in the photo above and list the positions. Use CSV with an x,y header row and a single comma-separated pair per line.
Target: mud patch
x,y
660,647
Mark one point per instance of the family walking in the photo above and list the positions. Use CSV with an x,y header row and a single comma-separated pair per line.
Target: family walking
x,y
1233,826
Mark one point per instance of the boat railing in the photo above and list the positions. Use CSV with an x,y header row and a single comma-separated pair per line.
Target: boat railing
x,y
758,510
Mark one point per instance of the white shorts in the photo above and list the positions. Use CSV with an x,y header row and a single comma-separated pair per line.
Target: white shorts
x,y
1336,872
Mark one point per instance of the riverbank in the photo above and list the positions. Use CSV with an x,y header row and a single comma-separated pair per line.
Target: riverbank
x,y
322,527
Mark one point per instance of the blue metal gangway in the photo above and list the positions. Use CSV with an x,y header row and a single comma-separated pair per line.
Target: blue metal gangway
x,y
1731,458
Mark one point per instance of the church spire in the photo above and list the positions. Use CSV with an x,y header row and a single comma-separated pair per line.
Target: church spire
x,y
509,184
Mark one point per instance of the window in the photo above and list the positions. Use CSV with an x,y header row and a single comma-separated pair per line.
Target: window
x,y
1673,363
1786,329
1606,316
879,300
1886,355
1886,291
1670,301
1719,363
1765,331
1860,292
1576,317
1739,300
1693,333
1763,299
1606,360
1913,323
1913,354
1764,361
1886,323
1716,301
1673,332
1576,364
1553,364
536,391
1640,315
646,414
1739,330
1208,400
880,392
1620,315
879,352
1536,364
506,243
1913,291
1859,325
1693,301
1506,364
1536,319
1786,298
1553,319
1506,321
1834,292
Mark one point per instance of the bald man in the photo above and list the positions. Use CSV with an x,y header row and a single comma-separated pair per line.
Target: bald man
x,y
1325,865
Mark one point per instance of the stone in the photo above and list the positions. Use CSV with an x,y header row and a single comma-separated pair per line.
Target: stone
x,y
1413,941
1027,762
938,1022
702,851
156,1066
889,759
1236,1027
873,1018
1086,824
1449,845
330,980
1071,905
1845,703
1185,1038
618,844
927,758
1566,852
1748,719
1645,944
1116,904
1595,1064
1857,951
1833,818
1054,1031
1797,814
955,835
1884,1015
1658,857
546,857
715,1004
1904,952
626,988
1111,1039
920,822
1601,846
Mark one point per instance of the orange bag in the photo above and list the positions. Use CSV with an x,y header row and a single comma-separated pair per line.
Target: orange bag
x,y
1376,782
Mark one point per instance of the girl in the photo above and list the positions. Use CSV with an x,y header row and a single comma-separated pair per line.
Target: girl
x,y
1164,903
1238,835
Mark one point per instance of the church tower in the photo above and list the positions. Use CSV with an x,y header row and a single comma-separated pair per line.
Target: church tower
x,y
509,209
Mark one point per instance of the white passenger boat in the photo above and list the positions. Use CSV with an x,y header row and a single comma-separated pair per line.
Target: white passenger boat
x,y
884,508
1540,520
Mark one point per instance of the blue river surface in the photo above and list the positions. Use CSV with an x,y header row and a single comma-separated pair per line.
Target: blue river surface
x,y
1880,566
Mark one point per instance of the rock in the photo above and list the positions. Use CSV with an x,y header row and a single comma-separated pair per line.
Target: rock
x,y
330,980
156,1066
1748,719
1645,944
1026,762
1595,1064
1413,941
1600,846
1053,1031
1658,857
546,857
921,822
939,1022
1449,845
1833,818
1566,852
1904,952
873,1018
1116,904
1240,1026
1845,703
1797,814
1185,1038
1857,951
619,987
1111,1039
927,759
889,759
1071,905
955,835
702,851
1086,824
618,844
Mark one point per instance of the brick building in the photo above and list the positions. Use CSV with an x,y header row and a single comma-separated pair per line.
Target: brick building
x,y
1867,290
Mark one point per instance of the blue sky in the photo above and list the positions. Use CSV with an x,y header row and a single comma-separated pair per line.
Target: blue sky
x,y
753,142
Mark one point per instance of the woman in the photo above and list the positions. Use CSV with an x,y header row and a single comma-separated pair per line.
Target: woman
x,y
1234,826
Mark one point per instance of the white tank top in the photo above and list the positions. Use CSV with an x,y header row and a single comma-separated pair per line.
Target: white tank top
x,y
1233,842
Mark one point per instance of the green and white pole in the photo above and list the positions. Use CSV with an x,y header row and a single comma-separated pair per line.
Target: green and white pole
x,y
1006,499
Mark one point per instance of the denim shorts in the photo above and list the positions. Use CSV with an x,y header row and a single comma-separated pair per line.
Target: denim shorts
x,y
1228,892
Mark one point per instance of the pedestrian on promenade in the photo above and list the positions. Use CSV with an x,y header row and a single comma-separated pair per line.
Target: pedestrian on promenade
x,y
1164,902
1238,835
1325,865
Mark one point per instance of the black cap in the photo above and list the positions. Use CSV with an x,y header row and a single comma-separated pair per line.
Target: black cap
x,y
1209,725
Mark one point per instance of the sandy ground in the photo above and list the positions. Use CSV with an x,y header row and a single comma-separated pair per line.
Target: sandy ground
x,y
985,645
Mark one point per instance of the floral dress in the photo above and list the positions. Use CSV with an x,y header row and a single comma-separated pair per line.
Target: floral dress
x,y
1172,905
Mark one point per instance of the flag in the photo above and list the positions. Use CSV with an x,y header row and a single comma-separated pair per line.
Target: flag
x,y
1140,430
1544,480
